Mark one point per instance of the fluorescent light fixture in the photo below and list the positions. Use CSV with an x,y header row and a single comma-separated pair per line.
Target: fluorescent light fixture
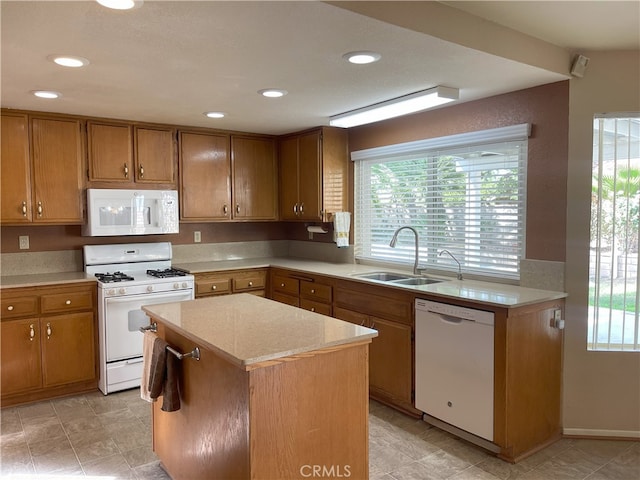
x,y
121,4
214,114
414,102
362,58
46,94
69,60
272,92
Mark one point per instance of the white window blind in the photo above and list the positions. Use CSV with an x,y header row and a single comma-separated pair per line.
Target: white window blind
x,y
615,226
464,193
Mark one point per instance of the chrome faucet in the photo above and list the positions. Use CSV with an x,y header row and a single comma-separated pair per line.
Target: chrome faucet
x,y
394,240
456,260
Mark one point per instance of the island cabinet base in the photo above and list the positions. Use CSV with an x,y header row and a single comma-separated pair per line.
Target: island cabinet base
x,y
300,416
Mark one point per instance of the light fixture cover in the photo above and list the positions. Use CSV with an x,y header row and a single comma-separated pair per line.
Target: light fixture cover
x,y
362,57
46,94
69,60
214,114
414,102
121,4
272,92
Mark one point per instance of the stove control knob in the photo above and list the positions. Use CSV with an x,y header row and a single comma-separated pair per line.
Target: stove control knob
x,y
176,286
184,284
150,288
121,291
111,291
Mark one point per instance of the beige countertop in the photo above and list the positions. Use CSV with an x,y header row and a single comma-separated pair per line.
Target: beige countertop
x,y
246,329
494,294
44,279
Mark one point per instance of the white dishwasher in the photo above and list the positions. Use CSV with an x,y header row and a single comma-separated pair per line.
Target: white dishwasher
x,y
454,366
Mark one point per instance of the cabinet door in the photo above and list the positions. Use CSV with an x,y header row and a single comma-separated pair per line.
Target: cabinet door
x,y
289,178
255,194
57,170
16,170
110,152
20,355
68,348
154,154
309,180
205,174
390,359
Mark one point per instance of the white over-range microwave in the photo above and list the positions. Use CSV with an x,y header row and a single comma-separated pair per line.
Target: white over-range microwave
x,y
131,212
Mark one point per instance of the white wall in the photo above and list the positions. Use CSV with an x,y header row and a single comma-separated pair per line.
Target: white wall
x,y
601,389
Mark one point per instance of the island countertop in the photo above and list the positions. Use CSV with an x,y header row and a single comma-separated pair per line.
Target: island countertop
x,y
247,330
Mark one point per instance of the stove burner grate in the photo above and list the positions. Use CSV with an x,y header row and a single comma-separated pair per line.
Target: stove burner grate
x,y
166,273
113,277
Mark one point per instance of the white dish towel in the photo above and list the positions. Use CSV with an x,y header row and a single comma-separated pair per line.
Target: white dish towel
x,y
147,351
341,224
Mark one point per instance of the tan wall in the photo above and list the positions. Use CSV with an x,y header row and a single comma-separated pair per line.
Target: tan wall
x,y
601,389
546,108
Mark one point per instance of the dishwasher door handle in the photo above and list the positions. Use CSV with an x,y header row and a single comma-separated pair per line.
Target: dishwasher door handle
x,y
451,320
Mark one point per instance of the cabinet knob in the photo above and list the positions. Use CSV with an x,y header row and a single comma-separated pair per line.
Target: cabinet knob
x,y
39,209
251,284
213,287
282,284
68,302
313,290
313,309
24,209
295,209
10,308
141,171
237,208
301,208
49,330
32,332
126,171
225,209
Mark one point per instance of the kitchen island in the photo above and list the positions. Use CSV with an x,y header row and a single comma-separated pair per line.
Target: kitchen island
x,y
278,392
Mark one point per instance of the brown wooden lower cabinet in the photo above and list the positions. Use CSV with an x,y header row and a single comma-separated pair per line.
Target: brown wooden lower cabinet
x,y
210,284
282,419
48,342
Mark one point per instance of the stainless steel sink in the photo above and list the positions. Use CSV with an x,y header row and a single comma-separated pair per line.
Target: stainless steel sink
x,y
416,281
384,276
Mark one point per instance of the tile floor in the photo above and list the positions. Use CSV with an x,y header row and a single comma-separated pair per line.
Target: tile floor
x,y
109,438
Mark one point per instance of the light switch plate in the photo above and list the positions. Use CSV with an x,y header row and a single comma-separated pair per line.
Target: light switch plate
x,y
23,241
196,237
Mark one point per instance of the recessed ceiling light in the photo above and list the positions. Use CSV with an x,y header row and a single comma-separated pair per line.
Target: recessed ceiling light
x,y
272,92
214,114
69,60
121,4
362,58
46,94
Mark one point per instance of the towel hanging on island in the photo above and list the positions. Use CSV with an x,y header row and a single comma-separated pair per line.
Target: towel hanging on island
x,y
148,340
341,224
163,377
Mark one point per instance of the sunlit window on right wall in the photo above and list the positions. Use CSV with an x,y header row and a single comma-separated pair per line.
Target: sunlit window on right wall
x,y
613,259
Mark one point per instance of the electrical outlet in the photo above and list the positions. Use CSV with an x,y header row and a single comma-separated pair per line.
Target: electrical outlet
x,y
196,237
24,242
557,314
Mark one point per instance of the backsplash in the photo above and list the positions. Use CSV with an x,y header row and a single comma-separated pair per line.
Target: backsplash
x,y
542,274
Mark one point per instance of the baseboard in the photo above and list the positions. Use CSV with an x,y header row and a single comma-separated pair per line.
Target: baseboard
x,y
586,432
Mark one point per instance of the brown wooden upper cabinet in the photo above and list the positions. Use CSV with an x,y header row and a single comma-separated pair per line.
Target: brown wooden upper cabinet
x,y
227,177
313,174
127,154
42,179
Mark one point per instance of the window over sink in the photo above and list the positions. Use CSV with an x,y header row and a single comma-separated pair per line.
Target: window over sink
x,y
465,193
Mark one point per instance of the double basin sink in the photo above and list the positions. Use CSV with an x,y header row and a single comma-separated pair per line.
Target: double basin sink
x,y
397,278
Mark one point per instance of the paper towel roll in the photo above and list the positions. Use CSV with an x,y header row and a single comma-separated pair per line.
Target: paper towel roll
x,y
316,229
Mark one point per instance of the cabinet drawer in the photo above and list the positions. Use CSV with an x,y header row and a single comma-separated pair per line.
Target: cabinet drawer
x,y
315,291
19,306
214,286
65,302
286,284
288,299
318,307
255,281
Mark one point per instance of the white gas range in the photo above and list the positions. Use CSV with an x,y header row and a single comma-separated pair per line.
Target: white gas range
x,y
129,276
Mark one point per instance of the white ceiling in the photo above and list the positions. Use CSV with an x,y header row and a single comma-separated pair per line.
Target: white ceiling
x,y
170,61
